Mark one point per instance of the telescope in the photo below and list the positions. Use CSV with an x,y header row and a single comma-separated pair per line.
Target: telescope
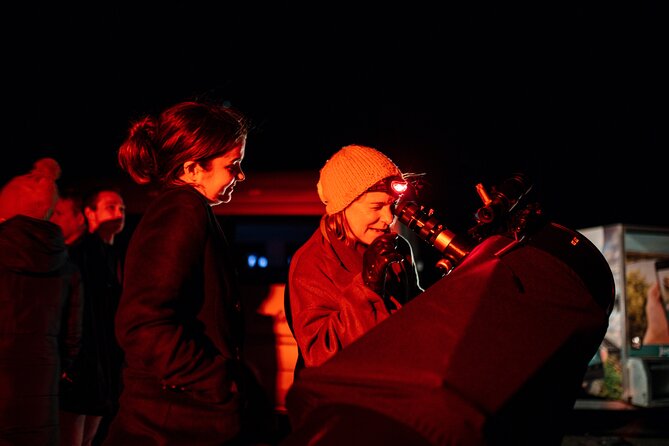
x,y
505,210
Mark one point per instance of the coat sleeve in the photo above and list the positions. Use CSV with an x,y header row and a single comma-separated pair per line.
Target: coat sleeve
x,y
328,317
156,322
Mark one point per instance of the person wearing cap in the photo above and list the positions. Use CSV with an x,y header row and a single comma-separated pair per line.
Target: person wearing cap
x,y
41,301
354,271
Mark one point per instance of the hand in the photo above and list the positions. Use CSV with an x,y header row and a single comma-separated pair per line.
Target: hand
x,y
381,253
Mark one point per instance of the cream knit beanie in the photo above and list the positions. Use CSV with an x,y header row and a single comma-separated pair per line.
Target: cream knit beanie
x,y
349,173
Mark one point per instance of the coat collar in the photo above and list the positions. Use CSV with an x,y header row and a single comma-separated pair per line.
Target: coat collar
x,y
350,257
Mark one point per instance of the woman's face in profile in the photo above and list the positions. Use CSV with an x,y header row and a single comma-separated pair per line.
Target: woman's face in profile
x,y
370,215
225,171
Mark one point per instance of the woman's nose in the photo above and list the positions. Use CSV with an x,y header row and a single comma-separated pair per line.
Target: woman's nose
x,y
387,215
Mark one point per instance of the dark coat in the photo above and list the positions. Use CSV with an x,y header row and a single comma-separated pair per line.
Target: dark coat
x,y
179,324
94,386
40,327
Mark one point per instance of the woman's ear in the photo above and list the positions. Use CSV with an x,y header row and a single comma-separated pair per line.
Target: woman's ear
x,y
191,169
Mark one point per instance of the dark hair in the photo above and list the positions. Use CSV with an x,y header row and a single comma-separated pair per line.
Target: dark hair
x,y
156,148
92,195
74,195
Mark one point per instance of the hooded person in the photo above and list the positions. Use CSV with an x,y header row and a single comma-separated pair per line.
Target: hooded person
x,y
354,271
41,301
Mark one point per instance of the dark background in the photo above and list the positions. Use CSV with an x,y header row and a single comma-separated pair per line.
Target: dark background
x,y
573,95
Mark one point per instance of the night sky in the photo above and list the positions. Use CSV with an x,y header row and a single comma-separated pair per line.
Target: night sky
x,y
573,96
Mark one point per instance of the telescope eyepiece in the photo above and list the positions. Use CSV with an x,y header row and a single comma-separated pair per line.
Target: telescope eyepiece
x,y
423,222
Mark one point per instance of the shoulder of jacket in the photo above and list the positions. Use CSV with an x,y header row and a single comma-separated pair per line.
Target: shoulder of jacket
x,y
183,196
314,253
182,193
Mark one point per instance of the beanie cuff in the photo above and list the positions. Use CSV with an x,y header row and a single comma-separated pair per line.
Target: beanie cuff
x,y
349,173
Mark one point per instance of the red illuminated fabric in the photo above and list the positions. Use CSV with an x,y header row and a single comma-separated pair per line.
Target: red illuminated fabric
x,y
330,305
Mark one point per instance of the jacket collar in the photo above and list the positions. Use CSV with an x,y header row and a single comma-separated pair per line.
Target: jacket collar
x,y
350,257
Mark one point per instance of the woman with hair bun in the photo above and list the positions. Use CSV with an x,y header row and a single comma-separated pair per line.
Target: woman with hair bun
x,y
179,319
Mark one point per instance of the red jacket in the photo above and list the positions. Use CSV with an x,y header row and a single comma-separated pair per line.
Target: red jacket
x,y
330,306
